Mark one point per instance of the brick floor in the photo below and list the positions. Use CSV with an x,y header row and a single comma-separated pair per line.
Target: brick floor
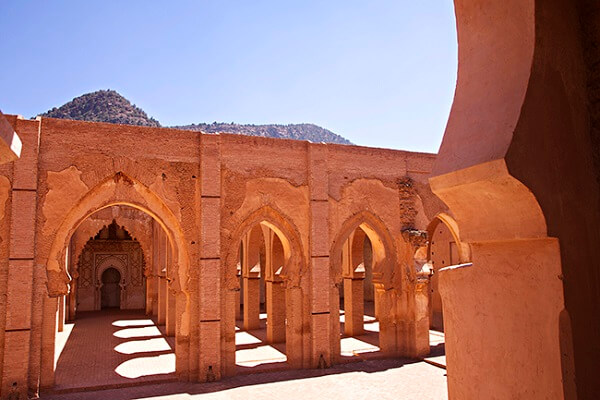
x,y
114,347
125,348
375,379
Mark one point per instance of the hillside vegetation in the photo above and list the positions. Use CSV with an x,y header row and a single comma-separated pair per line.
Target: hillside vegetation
x,y
110,106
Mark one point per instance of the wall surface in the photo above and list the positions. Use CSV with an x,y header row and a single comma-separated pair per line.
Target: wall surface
x,y
516,166
189,199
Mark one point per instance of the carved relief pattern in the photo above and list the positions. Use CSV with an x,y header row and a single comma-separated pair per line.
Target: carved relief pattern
x,y
86,267
96,251
100,257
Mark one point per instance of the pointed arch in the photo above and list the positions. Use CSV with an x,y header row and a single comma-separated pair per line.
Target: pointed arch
x,y
384,250
464,251
118,189
287,233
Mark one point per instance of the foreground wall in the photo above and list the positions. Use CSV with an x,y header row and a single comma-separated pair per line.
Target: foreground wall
x,y
199,195
518,167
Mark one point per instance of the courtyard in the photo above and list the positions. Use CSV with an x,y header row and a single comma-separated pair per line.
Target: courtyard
x,y
124,354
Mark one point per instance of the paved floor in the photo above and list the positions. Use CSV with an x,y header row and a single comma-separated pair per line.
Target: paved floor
x,y
125,348
375,379
114,347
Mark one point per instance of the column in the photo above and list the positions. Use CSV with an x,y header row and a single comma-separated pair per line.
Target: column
x,y
321,352
354,306
211,295
161,318
171,312
275,311
251,302
20,274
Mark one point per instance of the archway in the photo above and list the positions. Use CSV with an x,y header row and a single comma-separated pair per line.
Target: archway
x,y
444,249
169,282
359,324
109,288
262,324
266,257
363,255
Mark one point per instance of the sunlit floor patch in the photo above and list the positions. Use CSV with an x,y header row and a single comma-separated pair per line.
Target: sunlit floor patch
x,y
436,337
61,341
143,346
438,352
133,322
146,331
258,355
372,326
113,347
144,366
353,345
242,337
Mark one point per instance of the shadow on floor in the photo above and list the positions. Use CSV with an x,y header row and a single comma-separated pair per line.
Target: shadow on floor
x,y
114,347
154,390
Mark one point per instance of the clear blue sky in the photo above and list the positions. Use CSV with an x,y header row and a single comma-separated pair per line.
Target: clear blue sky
x,y
380,73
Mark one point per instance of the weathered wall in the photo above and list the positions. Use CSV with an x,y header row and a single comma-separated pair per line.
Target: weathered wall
x,y
194,196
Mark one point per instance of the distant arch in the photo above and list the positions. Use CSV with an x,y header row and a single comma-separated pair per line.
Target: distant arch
x,y
383,248
287,233
464,250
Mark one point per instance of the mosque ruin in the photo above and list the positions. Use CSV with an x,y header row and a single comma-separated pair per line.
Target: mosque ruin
x,y
307,244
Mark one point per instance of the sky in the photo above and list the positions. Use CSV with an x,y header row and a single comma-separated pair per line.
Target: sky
x,y
380,73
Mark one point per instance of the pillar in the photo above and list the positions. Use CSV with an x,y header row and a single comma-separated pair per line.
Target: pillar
x,y
354,306
171,312
19,327
238,302
275,311
149,295
162,301
61,314
318,181
212,343
73,298
251,303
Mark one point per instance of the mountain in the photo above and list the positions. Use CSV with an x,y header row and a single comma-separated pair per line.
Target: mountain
x,y
110,106
310,132
102,106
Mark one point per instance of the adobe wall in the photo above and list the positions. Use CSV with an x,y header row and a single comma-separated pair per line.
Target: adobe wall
x,y
200,194
516,168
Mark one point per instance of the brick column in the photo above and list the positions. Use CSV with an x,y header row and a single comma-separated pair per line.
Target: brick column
x,y
161,318
238,301
354,306
19,330
275,289
171,311
210,259
319,255
275,311
251,302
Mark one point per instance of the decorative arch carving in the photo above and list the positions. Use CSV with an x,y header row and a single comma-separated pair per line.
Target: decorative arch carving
x,y
112,261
